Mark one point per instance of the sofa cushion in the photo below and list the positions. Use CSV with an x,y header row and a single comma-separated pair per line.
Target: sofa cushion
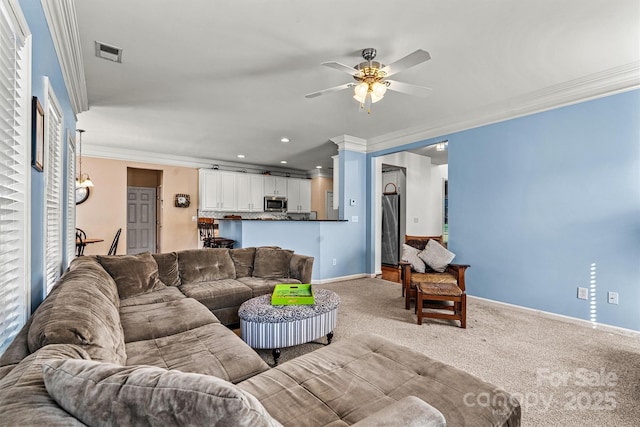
x,y
23,396
436,256
271,263
218,293
107,394
74,312
349,380
205,265
89,269
144,322
408,411
170,293
168,268
133,274
432,277
410,255
260,286
19,347
211,349
243,261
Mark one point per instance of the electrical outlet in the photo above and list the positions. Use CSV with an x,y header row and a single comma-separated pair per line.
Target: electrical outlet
x,y
583,293
334,261
416,219
194,218
354,219
612,297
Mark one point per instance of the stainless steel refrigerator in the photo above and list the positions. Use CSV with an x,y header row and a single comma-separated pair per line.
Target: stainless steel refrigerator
x,y
390,229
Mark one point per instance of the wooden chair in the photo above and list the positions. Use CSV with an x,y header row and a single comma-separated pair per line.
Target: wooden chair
x,y
81,236
114,245
433,290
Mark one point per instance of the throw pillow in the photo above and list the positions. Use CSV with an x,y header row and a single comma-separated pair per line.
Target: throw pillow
x,y
271,263
436,256
243,260
168,268
410,255
113,395
133,274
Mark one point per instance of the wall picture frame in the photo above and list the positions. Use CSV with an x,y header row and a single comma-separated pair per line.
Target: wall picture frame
x,y
182,201
37,135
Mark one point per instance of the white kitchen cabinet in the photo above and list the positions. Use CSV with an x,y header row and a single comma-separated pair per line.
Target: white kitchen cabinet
x,y
217,190
299,195
275,186
250,191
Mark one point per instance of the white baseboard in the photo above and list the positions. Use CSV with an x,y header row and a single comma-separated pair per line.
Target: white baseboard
x,y
342,278
574,320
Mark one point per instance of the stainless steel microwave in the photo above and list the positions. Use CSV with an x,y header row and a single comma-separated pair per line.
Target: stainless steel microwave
x,y
275,204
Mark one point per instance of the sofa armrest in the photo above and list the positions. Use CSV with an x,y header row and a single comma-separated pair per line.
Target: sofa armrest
x,y
409,411
301,267
19,347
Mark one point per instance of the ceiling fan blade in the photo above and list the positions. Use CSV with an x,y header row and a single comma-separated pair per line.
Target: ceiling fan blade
x,y
331,89
409,89
341,67
408,61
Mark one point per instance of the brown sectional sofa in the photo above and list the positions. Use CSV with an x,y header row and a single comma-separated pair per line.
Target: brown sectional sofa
x,y
141,340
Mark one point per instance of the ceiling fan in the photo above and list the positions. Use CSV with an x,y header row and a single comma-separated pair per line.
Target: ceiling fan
x,y
371,81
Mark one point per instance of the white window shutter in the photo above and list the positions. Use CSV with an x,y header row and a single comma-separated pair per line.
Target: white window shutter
x,y
71,198
53,188
15,150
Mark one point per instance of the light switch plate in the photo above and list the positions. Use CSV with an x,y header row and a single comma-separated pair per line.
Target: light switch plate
x,y
583,293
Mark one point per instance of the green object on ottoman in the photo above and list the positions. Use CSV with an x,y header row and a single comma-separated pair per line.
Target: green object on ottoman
x,y
292,294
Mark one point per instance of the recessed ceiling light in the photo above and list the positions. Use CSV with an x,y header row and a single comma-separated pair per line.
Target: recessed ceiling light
x,y
241,156
284,139
284,162
318,167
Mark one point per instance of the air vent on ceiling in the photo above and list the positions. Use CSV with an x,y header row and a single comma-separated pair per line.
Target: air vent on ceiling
x,y
108,52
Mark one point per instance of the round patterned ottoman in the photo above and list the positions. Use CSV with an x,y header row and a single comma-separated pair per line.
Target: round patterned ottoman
x,y
263,325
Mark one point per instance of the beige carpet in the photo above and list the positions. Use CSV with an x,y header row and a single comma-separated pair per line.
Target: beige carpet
x,y
565,374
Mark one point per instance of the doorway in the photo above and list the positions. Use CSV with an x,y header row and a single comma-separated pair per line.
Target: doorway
x,y
330,212
144,207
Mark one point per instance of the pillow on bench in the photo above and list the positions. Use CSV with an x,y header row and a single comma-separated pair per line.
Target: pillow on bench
x,y
436,256
410,255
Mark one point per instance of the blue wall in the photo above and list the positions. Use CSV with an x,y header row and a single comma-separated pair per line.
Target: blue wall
x,y
44,63
536,202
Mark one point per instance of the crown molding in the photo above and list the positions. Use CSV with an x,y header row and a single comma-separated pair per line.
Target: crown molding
x,y
320,173
351,143
606,83
63,26
125,154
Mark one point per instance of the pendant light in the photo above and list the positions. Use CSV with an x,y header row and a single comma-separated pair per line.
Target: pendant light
x,y
83,179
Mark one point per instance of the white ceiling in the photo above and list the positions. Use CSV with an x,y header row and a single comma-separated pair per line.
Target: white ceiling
x,y
208,80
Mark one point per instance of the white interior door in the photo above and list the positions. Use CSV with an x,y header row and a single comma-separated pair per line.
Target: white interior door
x,y
141,220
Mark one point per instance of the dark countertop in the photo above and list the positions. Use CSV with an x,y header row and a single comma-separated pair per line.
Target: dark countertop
x,y
281,220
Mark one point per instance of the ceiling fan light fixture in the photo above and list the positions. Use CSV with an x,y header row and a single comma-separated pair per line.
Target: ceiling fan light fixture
x,y
379,89
361,90
360,98
375,98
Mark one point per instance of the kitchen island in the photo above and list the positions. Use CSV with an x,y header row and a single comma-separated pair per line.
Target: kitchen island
x,y
328,241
